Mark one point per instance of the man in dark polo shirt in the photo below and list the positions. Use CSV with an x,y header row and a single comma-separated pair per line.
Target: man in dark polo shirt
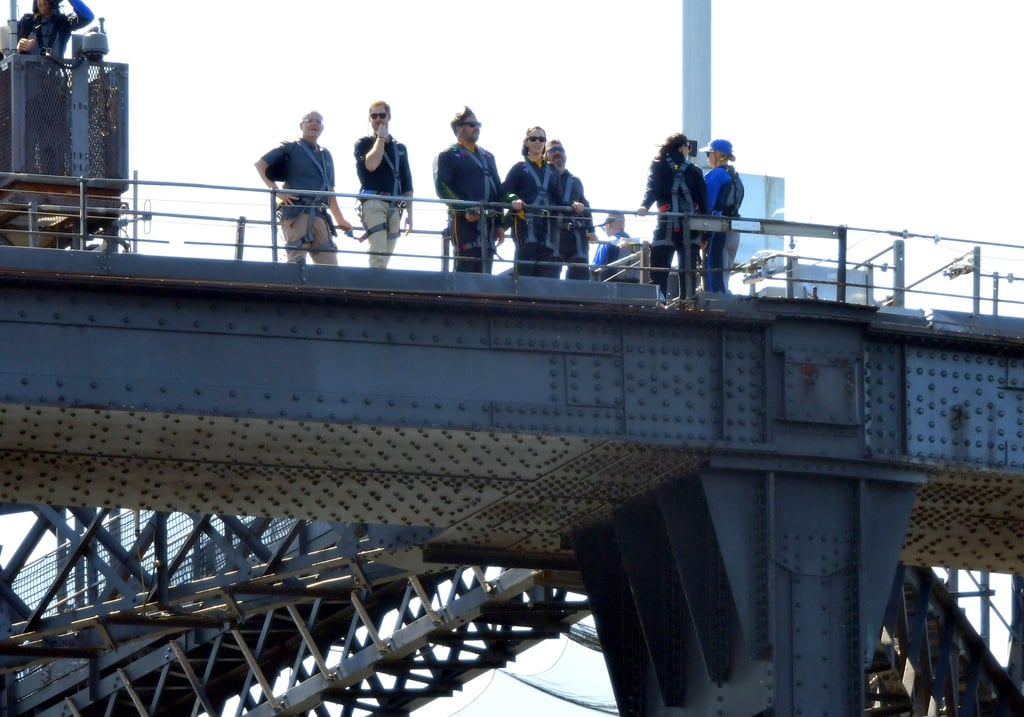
x,y
304,219
382,164
467,172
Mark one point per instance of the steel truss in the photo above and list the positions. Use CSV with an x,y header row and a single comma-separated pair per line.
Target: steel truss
x,y
931,661
153,613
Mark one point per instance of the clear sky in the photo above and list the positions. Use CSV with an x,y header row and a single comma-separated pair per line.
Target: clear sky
x,y
878,114
884,114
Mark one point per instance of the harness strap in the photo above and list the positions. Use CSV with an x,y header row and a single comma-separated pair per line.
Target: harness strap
x,y
396,190
320,162
490,188
681,192
543,195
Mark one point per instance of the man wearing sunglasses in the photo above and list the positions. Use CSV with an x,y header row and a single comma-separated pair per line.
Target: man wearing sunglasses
x,y
575,225
382,164
466,172
530,184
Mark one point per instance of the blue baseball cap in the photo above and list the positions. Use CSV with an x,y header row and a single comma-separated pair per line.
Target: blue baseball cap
x,y
723,146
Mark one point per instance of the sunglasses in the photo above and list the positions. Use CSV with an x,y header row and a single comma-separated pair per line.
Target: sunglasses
x,y
378,115
537,139
474,125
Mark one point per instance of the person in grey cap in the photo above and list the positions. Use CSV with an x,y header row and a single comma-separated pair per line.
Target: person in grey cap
x,y
611,249
725,195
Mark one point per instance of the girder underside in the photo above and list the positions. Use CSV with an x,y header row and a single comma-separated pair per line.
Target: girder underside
x,y
506,492
509,496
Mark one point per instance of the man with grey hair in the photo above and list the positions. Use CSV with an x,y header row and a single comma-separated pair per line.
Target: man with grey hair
x,y
305,219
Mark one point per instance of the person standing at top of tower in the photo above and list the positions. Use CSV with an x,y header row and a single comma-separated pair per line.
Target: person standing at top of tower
x,y
45,31
725,195
467,172
382,164
306,166
575,226
677,187
529,185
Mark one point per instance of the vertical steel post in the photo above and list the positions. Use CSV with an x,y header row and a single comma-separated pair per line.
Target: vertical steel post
x,y
80,120
239,238
976,257
83,212
1015,665
899,268
687,270
135,212
273,226
985,622
841,268
995,293
697,70
33,223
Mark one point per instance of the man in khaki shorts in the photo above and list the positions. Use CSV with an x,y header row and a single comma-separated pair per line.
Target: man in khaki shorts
x,y
306,166
382,164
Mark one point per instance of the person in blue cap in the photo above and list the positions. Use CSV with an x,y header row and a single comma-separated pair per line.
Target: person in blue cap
x,y
725,195
45,31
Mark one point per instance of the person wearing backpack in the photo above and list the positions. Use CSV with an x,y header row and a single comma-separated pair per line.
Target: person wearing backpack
x,y
725,195
305,220
677,187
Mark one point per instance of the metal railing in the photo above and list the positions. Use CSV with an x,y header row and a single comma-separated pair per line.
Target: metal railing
x,y
803,261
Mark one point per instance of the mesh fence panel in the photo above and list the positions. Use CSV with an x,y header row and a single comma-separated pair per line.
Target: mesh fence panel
x,y
37,117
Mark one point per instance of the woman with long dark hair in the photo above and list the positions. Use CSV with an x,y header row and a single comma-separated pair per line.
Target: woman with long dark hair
x,y
676,187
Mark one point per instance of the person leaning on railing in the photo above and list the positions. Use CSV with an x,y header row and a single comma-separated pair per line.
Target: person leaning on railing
x,y
575,224
46,30
612,251
529,185
676,187
466,172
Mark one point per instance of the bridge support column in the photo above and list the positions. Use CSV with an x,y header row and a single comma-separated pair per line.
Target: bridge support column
x,y
743,592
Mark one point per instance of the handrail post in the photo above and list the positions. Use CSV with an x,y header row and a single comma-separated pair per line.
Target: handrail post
x,y
273,225
239,238
83,219
841,270
135,212
977,280
899,269
33,223
688,272
995,293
